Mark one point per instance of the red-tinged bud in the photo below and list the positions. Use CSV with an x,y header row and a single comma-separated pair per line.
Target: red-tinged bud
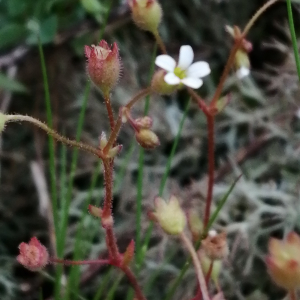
x,y
144,122
107,220
33,256
146,14
147,138
129,254
159,86
3,120
95,211
169,215
103,65
283,261
215,245
195,225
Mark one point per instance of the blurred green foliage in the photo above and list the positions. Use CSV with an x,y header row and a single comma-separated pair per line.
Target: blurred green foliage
x,y
24,21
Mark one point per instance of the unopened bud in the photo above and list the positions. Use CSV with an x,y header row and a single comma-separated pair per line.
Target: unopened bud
x,y
103,65
114,151
195,225
169,215
3,120
215,245
242,63
146,14
33,256
95,211
125,114
159,86
103,141
128,255
206,264
147,138
144,122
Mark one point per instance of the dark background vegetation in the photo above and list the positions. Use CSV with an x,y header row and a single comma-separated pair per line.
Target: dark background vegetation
x,y
257,135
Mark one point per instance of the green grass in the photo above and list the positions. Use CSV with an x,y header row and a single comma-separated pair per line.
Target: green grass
x,y
293,35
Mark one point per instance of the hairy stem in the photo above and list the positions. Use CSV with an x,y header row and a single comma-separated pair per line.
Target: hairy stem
x,y
117,127
257,15
109,112
55,260
160,43
197,265
138,292
235,48
211,167
53,133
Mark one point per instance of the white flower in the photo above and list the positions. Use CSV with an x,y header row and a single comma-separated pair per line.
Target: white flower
x,y
242,72
184,71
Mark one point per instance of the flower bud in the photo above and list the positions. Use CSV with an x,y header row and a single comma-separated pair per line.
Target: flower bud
x,y
103,141
146,14
128,255
215,245
242,63
144,122
169,215
159,86
283,261
3,120
103,65
33,256
206,265
114,151
95,211
195,225
147,138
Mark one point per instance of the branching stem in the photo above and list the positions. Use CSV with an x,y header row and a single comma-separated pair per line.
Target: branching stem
x,y
53,133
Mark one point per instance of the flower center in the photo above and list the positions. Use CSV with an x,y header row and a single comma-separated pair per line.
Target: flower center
x,y
180,73
101,52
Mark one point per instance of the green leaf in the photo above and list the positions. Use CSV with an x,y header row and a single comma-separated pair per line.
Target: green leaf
x,y
12,34
46,30
11,84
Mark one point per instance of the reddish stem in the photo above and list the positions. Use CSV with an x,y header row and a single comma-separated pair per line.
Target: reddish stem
x,y
211,166
112,246
208,275
138,292
117,127
109,112
55,260
108,181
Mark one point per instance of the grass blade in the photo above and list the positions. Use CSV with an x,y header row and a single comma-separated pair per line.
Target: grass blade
x,y
293,35
51,141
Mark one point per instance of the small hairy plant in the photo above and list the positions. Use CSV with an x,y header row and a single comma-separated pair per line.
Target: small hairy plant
x,y
206,247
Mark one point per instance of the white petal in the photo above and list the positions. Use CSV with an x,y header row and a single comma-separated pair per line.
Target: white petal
x,y
198,69
171,79
192,82
242,72
186,56
165,62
